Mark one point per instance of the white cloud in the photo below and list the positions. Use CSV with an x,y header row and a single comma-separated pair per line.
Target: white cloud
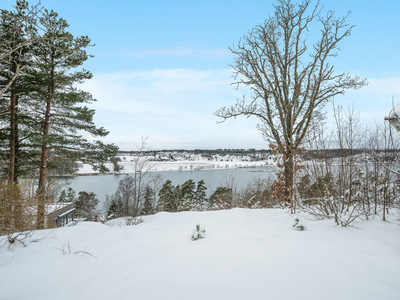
x,y
175,107
373,101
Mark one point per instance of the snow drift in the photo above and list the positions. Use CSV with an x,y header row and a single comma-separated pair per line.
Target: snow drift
x,y
246,254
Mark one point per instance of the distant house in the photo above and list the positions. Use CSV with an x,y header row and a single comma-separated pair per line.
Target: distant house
x,y
59,214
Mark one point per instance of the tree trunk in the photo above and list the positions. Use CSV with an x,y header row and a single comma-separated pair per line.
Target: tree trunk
x,y
13,135
43,170
14,208
17,154
289,175
43,158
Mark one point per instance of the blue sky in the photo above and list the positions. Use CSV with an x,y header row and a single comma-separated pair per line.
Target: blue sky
x,y
161,67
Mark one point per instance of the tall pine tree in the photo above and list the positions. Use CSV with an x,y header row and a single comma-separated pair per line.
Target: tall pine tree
x,y
187,196
200,196
59,107
166,197
16,83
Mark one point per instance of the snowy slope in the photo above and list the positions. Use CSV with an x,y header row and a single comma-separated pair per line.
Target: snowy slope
x,y
246,254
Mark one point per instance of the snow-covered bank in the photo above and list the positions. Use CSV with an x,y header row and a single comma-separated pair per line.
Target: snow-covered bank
x,y
182,165
246,254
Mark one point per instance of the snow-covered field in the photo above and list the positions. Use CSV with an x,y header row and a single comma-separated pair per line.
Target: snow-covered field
x,y
183,165
246,254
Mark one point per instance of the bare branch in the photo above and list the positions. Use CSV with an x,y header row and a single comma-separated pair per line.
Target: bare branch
x,y
289,82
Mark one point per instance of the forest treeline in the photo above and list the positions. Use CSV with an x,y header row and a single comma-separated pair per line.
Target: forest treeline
x,y
306,154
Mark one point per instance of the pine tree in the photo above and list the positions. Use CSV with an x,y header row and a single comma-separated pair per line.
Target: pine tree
x,y
59,107
187,196
200,197
14,58
112,210
62,196
176,199
221,198
16,83
67,195
147,208
166,200
86,204
113,206
20,31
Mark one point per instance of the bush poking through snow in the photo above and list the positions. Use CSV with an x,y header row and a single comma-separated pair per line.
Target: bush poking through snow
x,y
299,224
130,221
12,238
66,249
198,232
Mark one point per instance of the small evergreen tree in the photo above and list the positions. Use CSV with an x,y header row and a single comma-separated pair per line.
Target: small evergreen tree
x,y
113,207
198,232
166,201
222,198
62,196
147,208
299,224
186,197
200,197
176,198
86,204
67,195
112,210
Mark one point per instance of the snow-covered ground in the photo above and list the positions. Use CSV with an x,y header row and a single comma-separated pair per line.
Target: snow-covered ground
x,y
246,254
181,165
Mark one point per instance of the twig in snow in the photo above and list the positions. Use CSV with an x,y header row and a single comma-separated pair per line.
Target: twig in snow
x,y
85,252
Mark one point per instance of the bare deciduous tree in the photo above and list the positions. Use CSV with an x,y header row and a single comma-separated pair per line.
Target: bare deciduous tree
x,y
130,195
289,81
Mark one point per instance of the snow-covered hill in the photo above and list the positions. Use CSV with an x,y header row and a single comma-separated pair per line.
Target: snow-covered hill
x,y
180,165
246,254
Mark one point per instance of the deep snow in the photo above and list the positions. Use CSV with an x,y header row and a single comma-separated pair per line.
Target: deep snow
x,y
246,254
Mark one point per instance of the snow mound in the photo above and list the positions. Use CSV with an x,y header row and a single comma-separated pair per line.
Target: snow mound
x,y
247,254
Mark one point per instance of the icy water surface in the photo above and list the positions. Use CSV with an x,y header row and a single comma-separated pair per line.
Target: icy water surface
x,y
103,185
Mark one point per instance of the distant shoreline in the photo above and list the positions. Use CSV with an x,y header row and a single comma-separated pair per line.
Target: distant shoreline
x,y
179,167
